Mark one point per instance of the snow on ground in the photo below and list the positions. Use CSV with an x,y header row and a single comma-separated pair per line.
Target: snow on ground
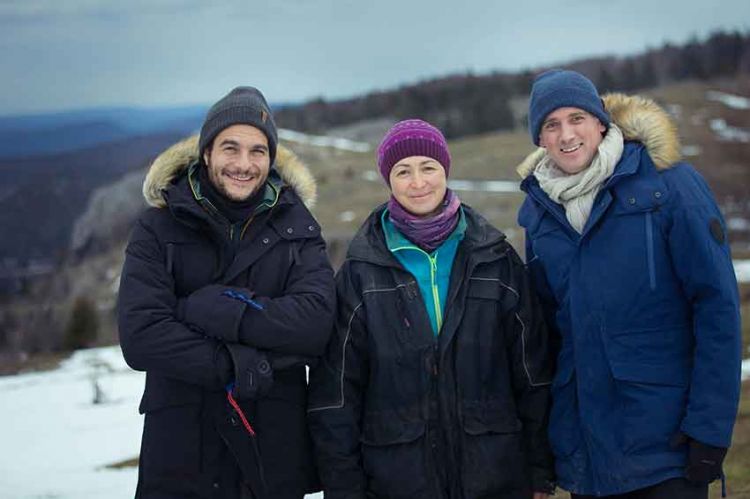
x,y
497,186
727,133
742,270
729,100
323,141
56,443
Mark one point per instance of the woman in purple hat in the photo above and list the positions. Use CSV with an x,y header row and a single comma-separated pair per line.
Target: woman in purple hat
x,y
436,380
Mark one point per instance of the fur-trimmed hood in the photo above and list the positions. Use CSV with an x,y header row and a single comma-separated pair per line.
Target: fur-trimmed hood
x,y
169,164
640,119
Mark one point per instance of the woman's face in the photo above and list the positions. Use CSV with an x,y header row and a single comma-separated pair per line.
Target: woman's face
x,y
418,183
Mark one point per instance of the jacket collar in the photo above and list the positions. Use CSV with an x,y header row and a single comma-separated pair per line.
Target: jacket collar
x,y
395,240
174,163
369,244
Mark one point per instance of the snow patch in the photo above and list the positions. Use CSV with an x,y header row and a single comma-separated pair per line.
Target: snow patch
x,y
690,150
323,141
738,224
742,270
745,369
728,133
58,443
729,100
496,186
347,216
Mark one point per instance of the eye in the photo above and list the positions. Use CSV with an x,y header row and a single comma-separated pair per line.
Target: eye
x,y
260,152
577,119
551,125
402,173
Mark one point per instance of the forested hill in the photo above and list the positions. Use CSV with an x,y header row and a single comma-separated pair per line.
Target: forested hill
x,y
467,104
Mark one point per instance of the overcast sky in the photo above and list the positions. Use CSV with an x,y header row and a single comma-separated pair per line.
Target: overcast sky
x,y
68,54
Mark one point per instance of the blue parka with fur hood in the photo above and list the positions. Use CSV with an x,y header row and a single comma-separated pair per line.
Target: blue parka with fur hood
x,y
645,301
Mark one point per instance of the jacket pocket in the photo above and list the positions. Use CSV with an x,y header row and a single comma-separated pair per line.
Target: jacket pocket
x,y
162,392
492,458
171,459
651,399
394,456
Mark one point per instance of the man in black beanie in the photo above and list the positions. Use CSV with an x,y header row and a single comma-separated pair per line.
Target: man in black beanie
x,y
628,251
225,295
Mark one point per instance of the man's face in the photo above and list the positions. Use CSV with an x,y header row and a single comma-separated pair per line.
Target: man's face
x,y
238,161
571,137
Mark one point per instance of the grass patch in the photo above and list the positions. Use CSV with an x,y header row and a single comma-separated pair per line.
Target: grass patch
x,y
127,463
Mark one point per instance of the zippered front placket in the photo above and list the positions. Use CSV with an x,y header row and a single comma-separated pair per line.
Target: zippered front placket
x,y
435,292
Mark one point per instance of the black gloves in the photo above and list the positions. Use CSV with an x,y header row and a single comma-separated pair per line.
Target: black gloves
x,y
216,311
704,462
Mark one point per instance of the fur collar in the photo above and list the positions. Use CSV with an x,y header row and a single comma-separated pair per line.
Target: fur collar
x,y
169,164
640,119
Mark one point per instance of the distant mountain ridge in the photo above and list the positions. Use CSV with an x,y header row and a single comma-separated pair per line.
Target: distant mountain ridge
x,y
53,133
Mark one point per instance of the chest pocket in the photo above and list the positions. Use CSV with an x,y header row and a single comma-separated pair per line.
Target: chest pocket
x,y
192,264
636,219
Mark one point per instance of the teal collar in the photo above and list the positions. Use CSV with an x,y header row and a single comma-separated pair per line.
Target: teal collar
x,y
396,241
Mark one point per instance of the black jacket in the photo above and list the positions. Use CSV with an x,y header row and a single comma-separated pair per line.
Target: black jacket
x,y
203,304
398,413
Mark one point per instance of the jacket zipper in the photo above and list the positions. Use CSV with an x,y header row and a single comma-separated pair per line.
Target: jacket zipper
x,y
435,292
650,250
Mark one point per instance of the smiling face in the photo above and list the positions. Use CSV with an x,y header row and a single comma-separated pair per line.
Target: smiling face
x,y
238,161
571,137
418,183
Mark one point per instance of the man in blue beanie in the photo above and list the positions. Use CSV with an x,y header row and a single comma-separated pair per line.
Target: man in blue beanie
x,y
628,251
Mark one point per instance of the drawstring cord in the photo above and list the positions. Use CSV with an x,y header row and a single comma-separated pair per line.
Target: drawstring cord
x,y
238,409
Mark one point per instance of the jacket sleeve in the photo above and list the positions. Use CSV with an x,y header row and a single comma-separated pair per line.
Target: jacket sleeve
x,y
702,261
531,351
337,385
151,336
296,323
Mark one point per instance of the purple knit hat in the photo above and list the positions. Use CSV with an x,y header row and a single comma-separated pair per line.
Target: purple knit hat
x,y
412,138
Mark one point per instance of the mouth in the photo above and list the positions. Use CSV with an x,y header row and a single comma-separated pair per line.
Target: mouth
x,y
240,177
571,149
420,197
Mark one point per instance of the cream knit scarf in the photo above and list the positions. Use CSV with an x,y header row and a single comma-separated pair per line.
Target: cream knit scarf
x,y
577,192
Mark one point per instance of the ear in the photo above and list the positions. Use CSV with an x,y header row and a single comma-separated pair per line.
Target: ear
x,y
206,155
602,128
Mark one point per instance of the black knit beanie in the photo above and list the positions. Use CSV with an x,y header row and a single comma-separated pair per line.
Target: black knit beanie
x,y
241,106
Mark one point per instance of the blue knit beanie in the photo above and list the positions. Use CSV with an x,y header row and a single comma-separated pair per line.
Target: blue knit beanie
x,y
558,88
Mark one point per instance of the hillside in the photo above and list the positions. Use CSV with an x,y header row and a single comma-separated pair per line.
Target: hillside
x,y
349,187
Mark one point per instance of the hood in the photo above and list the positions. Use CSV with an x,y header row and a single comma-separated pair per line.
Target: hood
x,y
640,119
172,162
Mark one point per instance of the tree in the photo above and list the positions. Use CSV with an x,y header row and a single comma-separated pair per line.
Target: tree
x,y
83,325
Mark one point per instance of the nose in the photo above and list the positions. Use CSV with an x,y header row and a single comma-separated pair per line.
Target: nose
x,y
566,132
245,160
418,179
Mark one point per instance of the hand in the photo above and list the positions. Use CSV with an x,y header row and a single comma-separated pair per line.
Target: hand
x,y
213,313
704,462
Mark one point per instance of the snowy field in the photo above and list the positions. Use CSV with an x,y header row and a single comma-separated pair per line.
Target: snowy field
x,y
57,444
